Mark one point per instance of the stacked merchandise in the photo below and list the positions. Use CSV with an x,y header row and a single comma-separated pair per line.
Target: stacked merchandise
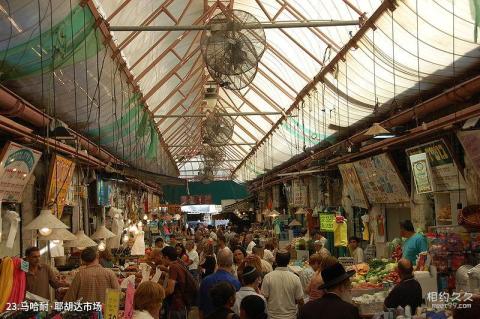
x,y
450,249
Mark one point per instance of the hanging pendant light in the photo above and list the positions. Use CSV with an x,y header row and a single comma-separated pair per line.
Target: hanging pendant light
x,y
102,245
294,223
378,131
58,234
81,241
45,223
273,214
300,211
102,233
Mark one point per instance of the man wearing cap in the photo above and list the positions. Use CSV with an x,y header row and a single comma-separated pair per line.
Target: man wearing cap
x,y
335,304
250,279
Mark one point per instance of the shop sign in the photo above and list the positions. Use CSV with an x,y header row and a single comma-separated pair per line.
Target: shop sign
x,y
445,174
353,185
16,166
196,199
421,173
112,303
326,222
471,144
60,178
104,192
381,181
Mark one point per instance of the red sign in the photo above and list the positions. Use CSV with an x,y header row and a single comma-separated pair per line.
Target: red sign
x,y
196,200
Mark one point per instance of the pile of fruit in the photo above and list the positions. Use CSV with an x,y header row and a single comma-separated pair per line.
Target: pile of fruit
x,y
380,271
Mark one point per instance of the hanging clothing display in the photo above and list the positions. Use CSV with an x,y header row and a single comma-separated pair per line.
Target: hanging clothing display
x,y
6,281
366,232
277,223
117,227
340,236
19,283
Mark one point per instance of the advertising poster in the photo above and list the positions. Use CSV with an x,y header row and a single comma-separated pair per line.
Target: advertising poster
x,y
353,185
421,173
445,174
471,144
380,180
60,178
16,166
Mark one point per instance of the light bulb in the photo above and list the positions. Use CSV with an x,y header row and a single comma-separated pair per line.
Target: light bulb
x,y
145,217
129,221
125,238
56,241
102,246
45,231
139,224
81,248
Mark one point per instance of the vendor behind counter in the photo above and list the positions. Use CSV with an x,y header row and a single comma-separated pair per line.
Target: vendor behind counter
x,y
408,291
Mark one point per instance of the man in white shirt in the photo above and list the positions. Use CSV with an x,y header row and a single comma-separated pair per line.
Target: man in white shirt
x,y
282,289
251,243
193,260
251,278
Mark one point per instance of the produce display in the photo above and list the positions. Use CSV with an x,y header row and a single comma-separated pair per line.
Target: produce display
x,y
376,274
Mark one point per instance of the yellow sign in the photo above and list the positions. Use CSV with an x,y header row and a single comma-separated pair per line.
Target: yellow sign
x,y
112,303
61,174
326,222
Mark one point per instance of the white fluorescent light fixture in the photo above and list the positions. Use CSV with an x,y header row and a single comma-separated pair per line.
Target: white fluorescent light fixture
x,y
384,136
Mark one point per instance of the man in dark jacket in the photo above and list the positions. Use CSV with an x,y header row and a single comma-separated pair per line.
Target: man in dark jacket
x,y
335,304
408,291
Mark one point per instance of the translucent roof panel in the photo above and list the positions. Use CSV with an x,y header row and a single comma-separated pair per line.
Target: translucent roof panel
x,y
402,59
171,72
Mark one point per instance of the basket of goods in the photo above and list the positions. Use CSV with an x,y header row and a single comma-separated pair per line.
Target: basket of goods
x,y
470,216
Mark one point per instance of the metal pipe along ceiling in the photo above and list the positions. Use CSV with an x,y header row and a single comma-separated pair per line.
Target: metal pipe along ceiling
x,y
264,25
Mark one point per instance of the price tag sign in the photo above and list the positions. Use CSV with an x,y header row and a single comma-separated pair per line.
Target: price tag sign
x,y
112,303
326,222
24,265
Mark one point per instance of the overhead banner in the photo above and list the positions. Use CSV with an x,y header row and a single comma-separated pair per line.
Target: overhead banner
x,y
471,144
381,181
60,178
16,166
299,193
353,185
421,173
445,174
